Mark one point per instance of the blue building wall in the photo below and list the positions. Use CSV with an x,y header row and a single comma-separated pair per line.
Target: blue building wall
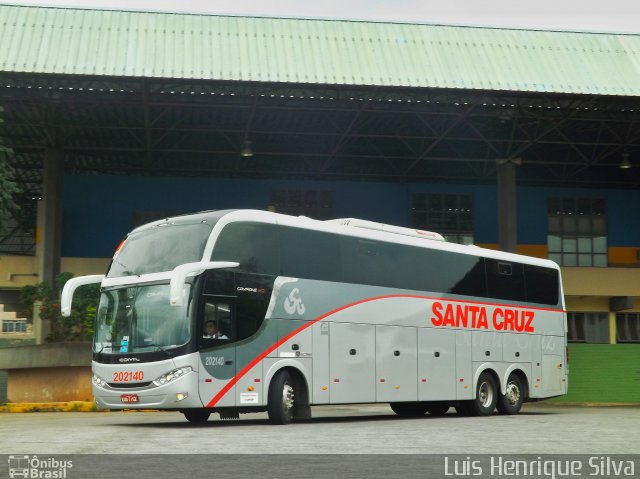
x,y
98,210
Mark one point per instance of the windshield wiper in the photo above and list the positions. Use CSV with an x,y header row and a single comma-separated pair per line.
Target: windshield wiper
x,y
160,348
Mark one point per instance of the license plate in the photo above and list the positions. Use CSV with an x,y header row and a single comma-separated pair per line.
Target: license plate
x,y
128,398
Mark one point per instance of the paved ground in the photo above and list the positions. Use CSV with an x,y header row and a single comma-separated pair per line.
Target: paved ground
x,y
369,429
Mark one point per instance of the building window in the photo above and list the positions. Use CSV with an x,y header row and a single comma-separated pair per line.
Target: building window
x,y
577,231
451,215
588,327
316,204
628,327
14,326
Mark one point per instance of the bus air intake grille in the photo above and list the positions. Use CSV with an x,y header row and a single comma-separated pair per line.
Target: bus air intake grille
x,y
129,385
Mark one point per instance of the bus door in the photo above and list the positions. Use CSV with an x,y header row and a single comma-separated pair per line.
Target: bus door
x,y
216,343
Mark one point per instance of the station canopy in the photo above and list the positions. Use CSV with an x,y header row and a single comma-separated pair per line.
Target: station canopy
x,y
140,93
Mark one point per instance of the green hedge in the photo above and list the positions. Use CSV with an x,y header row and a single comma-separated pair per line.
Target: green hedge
x,y
603,373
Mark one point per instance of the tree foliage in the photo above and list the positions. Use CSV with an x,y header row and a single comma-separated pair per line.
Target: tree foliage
x,y
79,325
8,186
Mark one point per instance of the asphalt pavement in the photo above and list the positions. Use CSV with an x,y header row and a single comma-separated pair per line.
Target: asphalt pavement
x,y
358,429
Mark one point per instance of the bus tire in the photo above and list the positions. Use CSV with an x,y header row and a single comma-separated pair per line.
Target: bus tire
x,y
413,409
196,416
281,398
486,395
437,408
511,401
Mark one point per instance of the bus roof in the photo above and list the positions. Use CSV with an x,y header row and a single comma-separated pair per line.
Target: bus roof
x,y
210,216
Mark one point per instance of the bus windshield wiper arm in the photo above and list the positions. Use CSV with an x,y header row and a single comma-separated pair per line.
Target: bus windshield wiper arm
x,y
161,348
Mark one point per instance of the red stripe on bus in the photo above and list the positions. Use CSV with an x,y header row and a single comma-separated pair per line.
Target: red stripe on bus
x,y
271,348
233,381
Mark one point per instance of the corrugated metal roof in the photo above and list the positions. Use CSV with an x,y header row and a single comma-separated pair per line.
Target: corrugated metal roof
x,y
166,45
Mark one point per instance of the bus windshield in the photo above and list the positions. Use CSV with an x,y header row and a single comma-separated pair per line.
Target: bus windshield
x,y
160,248
139,319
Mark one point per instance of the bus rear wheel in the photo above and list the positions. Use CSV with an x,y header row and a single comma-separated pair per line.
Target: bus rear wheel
x,y
409,408
196,416
281,398
486,396
511,401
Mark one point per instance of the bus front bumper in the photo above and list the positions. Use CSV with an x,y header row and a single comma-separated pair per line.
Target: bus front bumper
x,y
181,393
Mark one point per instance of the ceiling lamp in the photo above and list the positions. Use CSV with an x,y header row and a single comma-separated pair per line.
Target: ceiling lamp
x,y
246,148
625,163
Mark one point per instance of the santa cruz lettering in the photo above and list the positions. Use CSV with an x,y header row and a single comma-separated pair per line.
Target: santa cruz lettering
x,y
471,316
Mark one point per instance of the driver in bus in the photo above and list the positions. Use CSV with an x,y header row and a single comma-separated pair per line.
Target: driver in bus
x,y
211,331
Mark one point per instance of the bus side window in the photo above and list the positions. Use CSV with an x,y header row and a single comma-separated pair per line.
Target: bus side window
x,y
542,285
217,320
505,280
250,315
310,254
253,245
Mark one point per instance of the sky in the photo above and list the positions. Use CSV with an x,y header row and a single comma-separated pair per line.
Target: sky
x,y
622,16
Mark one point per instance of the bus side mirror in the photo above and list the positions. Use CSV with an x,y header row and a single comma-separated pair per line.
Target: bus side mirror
x,y
180,273
70,288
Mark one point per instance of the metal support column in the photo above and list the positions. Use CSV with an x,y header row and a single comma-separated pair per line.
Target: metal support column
x,y
507,204
49,232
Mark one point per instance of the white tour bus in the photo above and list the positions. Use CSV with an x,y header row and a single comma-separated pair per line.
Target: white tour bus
x,y
243,311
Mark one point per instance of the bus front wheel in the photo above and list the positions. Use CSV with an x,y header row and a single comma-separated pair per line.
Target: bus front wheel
x,y
281,398
196,416
513,398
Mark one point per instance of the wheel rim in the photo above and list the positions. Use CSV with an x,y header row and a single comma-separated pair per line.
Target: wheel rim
x,y
287,397
513,393
485,394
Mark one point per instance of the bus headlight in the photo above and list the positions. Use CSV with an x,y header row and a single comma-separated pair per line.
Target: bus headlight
x,y
98,381
172,375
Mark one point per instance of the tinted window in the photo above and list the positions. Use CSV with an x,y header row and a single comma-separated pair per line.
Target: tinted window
x,y
445,272
309,254
366,262
505,280
247,311
542,284
301,253
251,314
471,273
253,245
405,267
160,248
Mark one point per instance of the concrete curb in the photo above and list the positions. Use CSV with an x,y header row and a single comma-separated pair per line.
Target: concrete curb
x,y
69,406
